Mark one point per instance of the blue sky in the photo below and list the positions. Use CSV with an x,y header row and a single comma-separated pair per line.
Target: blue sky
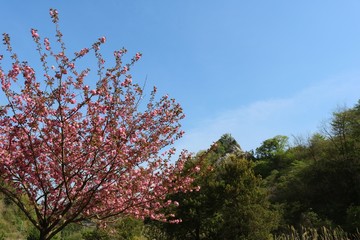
x,y
254,69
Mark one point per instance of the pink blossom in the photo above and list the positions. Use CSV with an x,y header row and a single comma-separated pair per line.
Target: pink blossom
x,y
54,15
126,82
97,149
71,65
47,44
82,52
102,39
53,12
138,56
34,33
172,151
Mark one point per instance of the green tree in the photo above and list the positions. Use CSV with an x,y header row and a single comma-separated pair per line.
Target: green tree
x,y
271,155
231,203
322,183
272,147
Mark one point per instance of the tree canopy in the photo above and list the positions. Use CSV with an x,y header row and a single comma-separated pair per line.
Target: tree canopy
x,y
71,150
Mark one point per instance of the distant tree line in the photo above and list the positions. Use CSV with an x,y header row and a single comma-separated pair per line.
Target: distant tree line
x,y
313,183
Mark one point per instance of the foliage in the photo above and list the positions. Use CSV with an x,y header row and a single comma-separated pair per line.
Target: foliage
x,y
271,155
13,224
353,218
321,185
230,205
272,147
33,234
123,229
71,151
98,234
317,234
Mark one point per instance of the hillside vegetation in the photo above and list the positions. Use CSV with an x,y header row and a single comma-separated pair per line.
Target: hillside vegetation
x,y
308,189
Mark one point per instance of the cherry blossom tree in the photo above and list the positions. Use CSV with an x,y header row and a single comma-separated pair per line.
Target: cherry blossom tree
x,y
71,152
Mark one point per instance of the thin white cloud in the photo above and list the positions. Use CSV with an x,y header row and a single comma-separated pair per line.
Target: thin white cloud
x,y
298,114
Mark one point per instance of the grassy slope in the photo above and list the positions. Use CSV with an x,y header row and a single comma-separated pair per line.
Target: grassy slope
x,y
13,224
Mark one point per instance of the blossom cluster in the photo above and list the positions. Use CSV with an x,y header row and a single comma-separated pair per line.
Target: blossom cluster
x,y
80,152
